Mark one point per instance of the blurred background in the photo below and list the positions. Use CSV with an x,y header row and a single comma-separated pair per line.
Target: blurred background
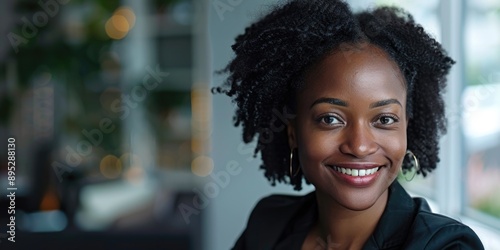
x,y
120,144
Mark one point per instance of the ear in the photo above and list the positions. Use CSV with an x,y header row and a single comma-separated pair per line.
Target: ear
x,y
292,137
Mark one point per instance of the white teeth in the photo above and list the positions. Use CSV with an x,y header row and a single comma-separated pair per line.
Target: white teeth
x,y
355,172
362,172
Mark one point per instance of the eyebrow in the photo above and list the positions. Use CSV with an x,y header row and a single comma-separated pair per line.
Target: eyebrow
x,y
338,102
333,101
384,103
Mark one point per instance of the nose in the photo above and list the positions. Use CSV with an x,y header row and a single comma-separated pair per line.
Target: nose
x,y
358,141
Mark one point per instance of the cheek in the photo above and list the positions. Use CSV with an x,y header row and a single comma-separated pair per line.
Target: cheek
x,y
314,147
395,147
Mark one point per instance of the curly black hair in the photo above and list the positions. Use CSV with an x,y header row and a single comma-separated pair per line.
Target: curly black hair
x,y
275,53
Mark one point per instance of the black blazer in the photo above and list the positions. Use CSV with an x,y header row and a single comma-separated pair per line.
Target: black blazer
x,y
282,222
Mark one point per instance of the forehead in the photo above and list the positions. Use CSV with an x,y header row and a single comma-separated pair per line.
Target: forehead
x,y
357,71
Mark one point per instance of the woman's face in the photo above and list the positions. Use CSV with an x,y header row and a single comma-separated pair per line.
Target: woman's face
x,y
350,128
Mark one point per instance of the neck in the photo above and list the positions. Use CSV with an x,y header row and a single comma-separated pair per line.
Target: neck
x,y
342,228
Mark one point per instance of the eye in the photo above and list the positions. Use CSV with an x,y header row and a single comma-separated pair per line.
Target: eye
x,y
330,120
387,120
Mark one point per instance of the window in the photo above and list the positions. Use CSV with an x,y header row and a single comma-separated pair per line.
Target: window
x,y
481,108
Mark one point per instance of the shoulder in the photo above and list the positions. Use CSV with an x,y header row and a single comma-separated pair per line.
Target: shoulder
x,y
408,223
278,209
268,220
436,231
277,204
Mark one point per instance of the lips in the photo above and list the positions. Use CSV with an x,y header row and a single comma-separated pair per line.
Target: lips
x,y
357,175
355,171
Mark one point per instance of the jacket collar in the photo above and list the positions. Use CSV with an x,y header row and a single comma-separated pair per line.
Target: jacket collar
x,y
284,213
390,233
396,220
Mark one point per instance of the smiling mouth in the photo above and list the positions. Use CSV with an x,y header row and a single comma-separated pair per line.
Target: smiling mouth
x,y
355,172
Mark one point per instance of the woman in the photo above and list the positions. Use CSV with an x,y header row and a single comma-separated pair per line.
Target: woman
x,y
363,93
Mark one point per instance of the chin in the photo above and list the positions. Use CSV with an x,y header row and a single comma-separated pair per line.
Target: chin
x,y
356,198
357,203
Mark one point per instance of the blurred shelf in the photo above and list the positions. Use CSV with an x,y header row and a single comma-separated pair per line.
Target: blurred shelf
x,y
179,79
167,27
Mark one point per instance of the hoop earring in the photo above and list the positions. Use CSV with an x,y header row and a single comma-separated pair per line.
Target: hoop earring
x,y
413,165
291,166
